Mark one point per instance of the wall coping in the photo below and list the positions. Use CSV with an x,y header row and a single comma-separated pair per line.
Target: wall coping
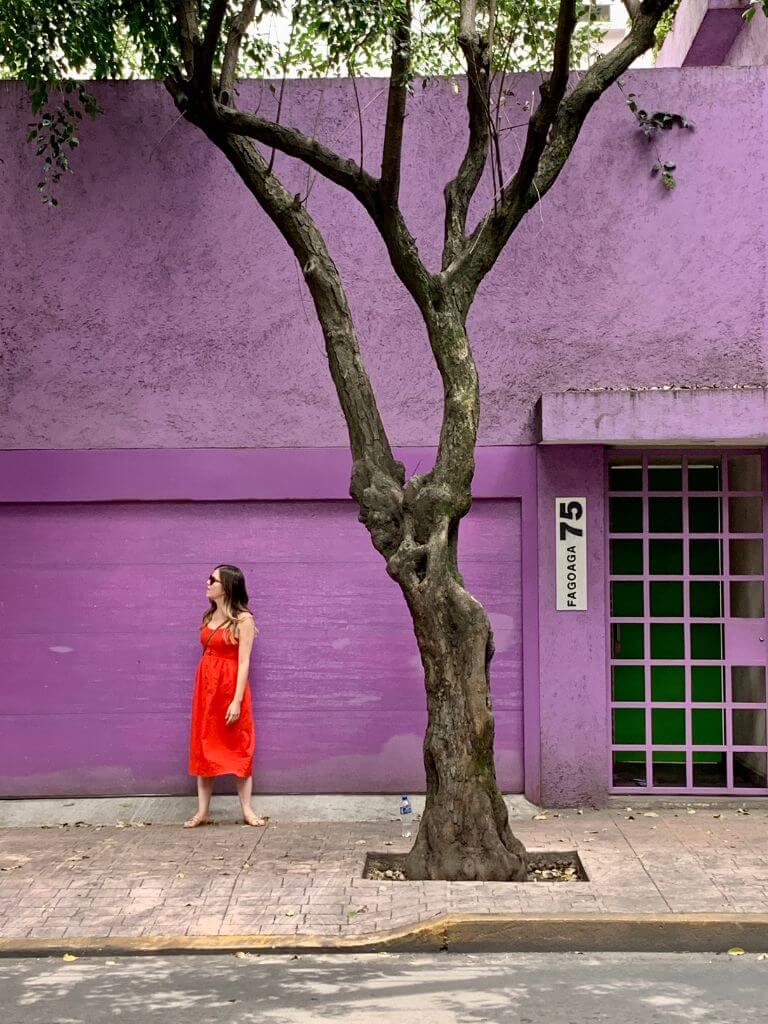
x,y
703,33
674,416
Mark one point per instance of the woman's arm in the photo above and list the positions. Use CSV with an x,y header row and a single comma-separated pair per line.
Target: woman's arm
x,y
246,633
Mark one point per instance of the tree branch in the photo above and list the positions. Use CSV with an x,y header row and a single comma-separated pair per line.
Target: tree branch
x,y
338,169
633,8
388,218
205,54
460,190
201,107
377,481
546,155
186,17
238,27
552,91
392,148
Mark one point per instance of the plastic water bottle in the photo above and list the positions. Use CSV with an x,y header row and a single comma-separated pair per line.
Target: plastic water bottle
x,y
405,816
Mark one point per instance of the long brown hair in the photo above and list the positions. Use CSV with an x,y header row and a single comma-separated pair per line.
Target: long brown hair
x,y
234,601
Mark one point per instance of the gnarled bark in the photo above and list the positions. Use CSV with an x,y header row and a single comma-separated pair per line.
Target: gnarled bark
x,y
464,833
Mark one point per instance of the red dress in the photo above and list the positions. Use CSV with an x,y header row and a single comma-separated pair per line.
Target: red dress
x,y
217,748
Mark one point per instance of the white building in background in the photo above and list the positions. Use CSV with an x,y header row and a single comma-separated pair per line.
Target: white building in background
x,y
614,19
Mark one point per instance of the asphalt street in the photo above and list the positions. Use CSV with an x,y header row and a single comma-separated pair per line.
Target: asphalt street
x,y
375,988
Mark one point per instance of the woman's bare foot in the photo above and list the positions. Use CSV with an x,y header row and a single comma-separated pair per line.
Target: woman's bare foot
x,y
196,820
249,818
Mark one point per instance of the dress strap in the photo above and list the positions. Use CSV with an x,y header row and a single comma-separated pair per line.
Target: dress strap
x,y
211,634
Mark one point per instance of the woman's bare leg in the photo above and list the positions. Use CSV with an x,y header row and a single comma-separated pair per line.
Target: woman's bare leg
x,y
204,791
244,790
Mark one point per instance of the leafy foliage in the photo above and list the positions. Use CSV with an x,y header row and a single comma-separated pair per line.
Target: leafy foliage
x,y
54,46
650,125
333,37
664,27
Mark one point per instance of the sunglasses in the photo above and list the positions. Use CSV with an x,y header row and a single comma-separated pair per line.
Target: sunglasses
x,y
212,580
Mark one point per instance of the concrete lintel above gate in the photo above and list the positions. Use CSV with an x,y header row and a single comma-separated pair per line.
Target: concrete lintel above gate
x,y
673,416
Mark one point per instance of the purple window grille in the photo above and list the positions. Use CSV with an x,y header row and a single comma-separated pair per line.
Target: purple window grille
x,y
687,628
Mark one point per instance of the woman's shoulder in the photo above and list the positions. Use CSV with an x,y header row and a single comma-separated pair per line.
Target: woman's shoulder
x,y
245,620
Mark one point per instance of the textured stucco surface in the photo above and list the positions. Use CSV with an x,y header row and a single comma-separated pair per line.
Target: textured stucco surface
x,y
751,45
157,307
97,684
575,729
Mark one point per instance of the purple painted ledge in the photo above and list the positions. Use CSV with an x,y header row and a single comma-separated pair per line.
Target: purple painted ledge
x,y
679,417
228,474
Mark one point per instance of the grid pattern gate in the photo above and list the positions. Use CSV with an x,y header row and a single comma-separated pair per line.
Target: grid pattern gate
x,y
687,629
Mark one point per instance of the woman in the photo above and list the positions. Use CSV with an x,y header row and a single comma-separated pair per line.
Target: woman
x,y
222,738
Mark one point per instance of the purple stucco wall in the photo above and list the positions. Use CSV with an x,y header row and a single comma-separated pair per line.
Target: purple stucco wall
x,y
100,643
100,599
751,44
158,309
158,285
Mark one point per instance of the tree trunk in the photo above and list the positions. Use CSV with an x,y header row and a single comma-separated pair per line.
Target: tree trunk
x,y
464,833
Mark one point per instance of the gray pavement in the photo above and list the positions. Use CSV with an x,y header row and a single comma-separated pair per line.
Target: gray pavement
x,y
300,879
169,810
389,989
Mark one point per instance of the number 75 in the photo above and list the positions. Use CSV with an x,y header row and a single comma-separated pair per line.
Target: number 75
x,y
573,510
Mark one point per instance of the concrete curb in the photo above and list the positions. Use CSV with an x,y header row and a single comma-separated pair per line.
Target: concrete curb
x,y
454,933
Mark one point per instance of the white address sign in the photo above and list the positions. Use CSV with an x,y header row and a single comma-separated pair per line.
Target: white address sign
x,y
571,547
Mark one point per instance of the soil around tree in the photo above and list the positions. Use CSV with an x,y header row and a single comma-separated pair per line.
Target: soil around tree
x,y
543,866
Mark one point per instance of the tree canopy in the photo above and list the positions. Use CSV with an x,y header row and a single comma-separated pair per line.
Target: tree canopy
x,y
56,48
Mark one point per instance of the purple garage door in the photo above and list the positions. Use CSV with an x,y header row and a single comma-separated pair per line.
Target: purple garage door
x,y
688,630
101,605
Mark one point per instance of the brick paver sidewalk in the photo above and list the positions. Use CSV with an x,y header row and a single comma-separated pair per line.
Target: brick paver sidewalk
x,y
96,881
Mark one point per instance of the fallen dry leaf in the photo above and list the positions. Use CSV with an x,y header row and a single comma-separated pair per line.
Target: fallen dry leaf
x,y
69,957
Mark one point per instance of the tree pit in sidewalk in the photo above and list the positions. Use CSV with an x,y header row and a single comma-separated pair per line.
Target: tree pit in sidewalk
x,y
543,866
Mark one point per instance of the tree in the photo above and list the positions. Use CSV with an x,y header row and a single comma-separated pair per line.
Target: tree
x,y
414,524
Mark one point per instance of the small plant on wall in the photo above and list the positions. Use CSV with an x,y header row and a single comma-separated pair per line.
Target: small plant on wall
x,y
650,124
